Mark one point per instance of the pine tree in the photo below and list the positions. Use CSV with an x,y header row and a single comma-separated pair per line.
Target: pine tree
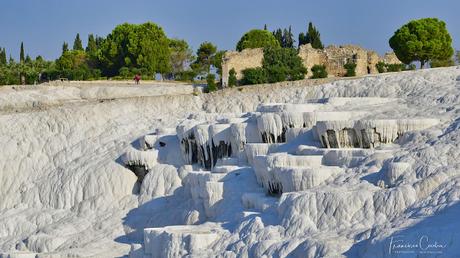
x,y
91,48
21,54
65,47
77,45
312,37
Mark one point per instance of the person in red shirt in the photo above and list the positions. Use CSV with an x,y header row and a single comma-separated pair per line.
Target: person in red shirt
x,y
137,78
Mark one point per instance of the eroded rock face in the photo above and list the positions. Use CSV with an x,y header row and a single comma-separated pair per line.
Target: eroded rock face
x,y
205,144
180,241
367,133
140,162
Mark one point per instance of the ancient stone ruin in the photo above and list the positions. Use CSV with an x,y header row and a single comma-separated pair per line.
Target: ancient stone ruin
x,y
333,57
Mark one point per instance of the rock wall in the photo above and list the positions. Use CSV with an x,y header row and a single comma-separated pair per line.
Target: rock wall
x,y
248,58
333,57
311,56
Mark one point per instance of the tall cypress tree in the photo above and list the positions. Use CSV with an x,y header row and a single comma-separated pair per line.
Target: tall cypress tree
x,y
288,38
22,56
91,48
3,57
99,41
312,37
303,39
77,45
65,47
265,27
279,36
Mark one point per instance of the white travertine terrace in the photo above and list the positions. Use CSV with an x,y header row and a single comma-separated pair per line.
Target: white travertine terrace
x,y
212,187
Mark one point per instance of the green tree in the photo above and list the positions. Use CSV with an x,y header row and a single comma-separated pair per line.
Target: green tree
x,y
77,44
204,57
22,54
422,40
278,34
71,60
74,65
319,71
312,37
288,38
265,27
91,47
211,81
181,55
217,61
65,47
254,76
28,59
232,80
257,39
283,64
144,46
3,61
99,41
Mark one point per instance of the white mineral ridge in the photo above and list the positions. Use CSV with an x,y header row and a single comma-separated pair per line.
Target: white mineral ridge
x,y
66,192
180,241
162,180
147,159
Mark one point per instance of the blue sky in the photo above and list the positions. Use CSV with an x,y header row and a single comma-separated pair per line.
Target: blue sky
x,y
44,25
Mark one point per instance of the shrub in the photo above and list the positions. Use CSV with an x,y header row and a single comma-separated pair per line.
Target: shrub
x,y
124,72
319,71
410,67
211,81
351,69
254,76
187,76
283,64
381,67
279,64
232,81
442,63
395,67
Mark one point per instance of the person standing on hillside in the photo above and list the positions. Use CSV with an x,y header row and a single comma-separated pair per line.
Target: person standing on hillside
x,y
137,78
